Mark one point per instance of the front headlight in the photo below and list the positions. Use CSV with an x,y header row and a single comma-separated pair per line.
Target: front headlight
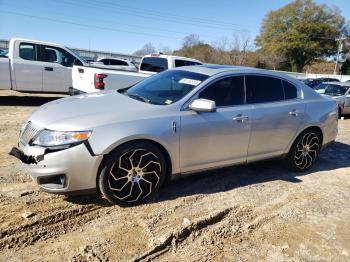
x,y
49,138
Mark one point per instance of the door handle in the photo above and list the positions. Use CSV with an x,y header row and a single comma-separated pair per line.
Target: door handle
x,y
293,113
48,68
240,118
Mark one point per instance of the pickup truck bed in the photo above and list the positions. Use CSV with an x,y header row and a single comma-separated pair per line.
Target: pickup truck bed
x,y
92,78
84,78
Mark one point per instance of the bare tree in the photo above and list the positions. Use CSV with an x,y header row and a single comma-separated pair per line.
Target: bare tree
x,y
190,41
164,49
240,46
145,50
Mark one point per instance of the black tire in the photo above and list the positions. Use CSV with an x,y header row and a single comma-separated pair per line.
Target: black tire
x,y
132,174
339,113
304,150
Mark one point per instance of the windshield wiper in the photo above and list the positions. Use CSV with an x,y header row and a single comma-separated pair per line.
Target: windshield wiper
x,y
138,97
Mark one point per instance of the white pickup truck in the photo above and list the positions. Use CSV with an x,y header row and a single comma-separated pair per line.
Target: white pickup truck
x,y
91,78
35,66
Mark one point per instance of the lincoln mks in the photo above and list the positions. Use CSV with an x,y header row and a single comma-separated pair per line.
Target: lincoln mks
x,y
125,143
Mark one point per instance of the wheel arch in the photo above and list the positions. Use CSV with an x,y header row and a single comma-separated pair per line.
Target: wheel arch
x,y
168,160
315,127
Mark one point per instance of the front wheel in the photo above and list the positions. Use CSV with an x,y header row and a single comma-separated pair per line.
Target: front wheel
x,y
132,174
304,151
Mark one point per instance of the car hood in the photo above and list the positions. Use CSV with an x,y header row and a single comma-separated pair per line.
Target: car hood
x,y
86,111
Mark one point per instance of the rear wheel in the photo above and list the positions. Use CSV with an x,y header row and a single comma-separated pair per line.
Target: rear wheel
x,y
305,150
132,174
339,113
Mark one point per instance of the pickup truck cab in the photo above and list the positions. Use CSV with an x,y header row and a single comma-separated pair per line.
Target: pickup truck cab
x,y
91,78
152,64
116,63
36,66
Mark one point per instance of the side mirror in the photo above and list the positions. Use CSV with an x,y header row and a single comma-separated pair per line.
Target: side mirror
x,y
348,96
203,105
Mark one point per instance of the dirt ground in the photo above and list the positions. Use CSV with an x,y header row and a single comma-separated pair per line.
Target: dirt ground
x,y
248,213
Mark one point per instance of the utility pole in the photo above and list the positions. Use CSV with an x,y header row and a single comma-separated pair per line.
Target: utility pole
x,y
340,42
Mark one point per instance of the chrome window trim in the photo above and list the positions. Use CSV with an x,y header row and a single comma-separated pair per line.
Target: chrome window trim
x,y
185,106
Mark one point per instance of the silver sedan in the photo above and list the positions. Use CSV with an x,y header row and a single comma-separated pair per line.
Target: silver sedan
x,y
124,144
340,92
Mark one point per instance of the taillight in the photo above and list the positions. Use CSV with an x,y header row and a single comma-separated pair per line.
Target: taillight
x,y
98,81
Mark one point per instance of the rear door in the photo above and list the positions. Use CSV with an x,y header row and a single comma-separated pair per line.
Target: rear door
x,y
276,117
27,69
57,68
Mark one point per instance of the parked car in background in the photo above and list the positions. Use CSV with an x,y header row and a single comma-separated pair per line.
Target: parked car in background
x,y
3,53
126,143
339,91
313,82
36,66
116,63
91,78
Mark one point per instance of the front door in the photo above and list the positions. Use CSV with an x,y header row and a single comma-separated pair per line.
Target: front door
x,y
212,139
57,69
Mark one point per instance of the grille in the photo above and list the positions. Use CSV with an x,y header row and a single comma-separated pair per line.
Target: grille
x,y
29,131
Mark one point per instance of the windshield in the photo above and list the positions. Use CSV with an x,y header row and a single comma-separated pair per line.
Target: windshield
x,y
335,90
165,88
321,86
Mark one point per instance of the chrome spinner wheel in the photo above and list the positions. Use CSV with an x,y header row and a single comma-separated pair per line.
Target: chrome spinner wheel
x,y
134,175
306,150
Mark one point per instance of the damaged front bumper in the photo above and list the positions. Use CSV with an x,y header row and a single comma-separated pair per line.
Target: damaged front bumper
x,y
66,171
24,158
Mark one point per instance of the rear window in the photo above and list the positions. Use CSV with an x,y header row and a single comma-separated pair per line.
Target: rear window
x,y
263,89
335,90
290,91
113,62
179,63
154,64
27,51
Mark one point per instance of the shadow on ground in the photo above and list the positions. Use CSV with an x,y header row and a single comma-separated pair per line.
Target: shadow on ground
x,y
335,156
26,100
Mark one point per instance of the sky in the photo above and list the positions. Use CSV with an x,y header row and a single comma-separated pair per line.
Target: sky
x,y
124,26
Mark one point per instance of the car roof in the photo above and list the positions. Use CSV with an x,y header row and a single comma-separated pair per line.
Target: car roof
x,y
113,58
338,83
173,57
211,69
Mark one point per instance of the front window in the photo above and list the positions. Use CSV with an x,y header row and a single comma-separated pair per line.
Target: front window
x,y
335,90
57,55
77,55
165,88
225,92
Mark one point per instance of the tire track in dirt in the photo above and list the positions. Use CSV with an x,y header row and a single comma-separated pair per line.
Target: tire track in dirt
x,y
48,224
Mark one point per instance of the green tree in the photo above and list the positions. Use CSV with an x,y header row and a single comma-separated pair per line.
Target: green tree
x,y
301,31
